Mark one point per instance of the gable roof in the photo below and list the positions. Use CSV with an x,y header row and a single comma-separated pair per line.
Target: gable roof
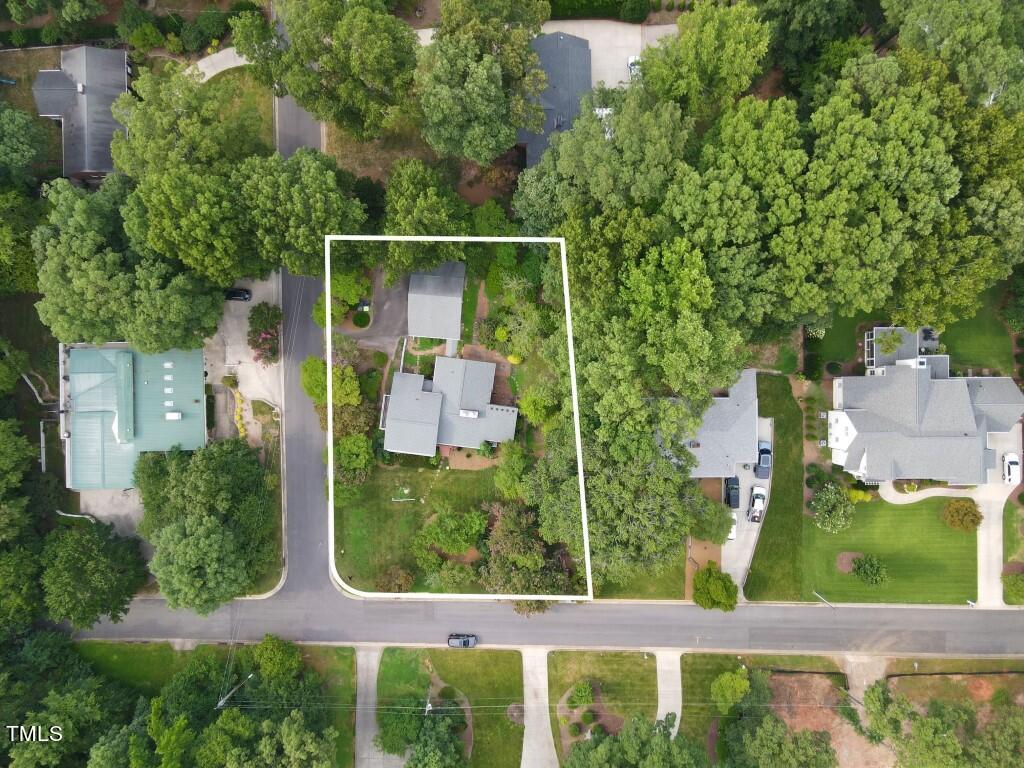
x,y
452,409
728,432
80,94
116,404
565,60
435,302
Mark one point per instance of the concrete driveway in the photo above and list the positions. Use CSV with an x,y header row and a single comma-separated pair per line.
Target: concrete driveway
x,y
737,554
390,315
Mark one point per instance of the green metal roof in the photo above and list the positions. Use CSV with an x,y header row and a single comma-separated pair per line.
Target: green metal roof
x,y
119,403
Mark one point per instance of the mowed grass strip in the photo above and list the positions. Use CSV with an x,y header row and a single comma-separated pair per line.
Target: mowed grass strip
x,y
146,667
337,668
628,682
491,680
776,572
982,341
927,561
376,523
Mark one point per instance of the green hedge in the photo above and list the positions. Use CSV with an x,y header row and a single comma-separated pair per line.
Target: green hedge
x,y
586,9
32,37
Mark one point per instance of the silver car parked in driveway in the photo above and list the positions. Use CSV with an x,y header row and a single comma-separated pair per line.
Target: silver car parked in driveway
x,y
763,470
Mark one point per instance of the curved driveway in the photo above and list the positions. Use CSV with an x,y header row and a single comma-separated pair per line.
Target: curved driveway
x,y
309,608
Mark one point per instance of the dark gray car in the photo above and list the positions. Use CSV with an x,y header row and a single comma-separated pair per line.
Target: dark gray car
x,y
732,492
763,470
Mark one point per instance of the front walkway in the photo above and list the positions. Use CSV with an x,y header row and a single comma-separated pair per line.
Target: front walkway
x,y
670,686
538,743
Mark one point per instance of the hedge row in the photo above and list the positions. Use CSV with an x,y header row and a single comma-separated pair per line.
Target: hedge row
x,y
625,10
30,37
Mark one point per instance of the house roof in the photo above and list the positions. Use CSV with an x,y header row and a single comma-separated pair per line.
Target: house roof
x,y
117,401
435,302
912,344
452,409
80,94
565,60
728,432
912,421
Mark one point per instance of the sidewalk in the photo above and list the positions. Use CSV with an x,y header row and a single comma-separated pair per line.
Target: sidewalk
x,y
538,743
670,686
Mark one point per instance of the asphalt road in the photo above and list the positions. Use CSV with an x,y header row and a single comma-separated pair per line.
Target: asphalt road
x,y
309,608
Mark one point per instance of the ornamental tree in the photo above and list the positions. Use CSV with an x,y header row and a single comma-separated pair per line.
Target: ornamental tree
x,y
833,510
712,588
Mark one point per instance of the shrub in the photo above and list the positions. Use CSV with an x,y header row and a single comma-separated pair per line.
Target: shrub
x,y
242,6
192,37
574,729
833,510
597,731
812,366
582,695
265,333
173,44
634,11
857,496
395,579
712,588
380,359
19,37
131,17
729,688
486,449
816,476
369,384
1013,588
585,9
212,22
870,570
52,33
588,717
361,319
1019,357
833,368
230,381
172,23
962,514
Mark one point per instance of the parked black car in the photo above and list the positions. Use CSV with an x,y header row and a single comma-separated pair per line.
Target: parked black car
x,y
732,492
238,294
461,640
763,470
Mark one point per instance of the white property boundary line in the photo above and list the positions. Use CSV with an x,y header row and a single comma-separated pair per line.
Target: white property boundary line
x,y
560,241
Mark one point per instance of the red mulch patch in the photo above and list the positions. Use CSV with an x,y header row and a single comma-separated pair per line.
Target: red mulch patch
x,y
844,561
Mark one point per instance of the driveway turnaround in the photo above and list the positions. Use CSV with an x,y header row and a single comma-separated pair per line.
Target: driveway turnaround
x,y
538,742
367,754
670,686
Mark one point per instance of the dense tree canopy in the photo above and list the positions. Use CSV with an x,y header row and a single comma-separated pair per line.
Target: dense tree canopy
x,y
640,744
20,141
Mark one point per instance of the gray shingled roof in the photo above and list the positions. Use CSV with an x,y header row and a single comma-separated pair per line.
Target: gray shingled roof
x,y
728,432
80,94
565,60
453,409
435,302
912,422
911,344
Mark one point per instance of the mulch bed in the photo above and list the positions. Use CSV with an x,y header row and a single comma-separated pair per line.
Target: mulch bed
x,y
844,561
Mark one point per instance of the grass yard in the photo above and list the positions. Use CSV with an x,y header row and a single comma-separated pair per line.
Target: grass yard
x,y
252,98
928,561
146,667
840,341
374,158
700,669
375,526
270,577
491,680
670,584
22,65
776,572
628,682
982,341
1013,541
470,297
936,666
337,667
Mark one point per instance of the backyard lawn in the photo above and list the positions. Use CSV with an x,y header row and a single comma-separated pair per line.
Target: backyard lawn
x,y
928,562
375,525
21,66
840,341
628,682
337,667
490,680
982,341
250,97
700,669
776,571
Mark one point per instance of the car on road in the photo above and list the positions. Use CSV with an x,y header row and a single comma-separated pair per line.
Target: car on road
x,y
758,502
462,640
763,470
238,294
732,492
1011,469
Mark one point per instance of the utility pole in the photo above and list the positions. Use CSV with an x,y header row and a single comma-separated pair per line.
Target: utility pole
x,y
229,694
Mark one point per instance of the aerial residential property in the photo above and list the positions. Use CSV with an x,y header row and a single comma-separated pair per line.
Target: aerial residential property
x,y
79,95
908,418
435,304
118,403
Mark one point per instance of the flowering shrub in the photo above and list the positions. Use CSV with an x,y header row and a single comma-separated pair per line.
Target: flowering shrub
x,y
265,333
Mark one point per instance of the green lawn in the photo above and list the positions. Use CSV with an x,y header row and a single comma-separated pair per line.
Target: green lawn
x,y
840,341
491,680
374,528
700,669
928,561
776,571
628,681
22,65
250,97
982,341
1013,542
936,666
145,667
670,584
337,667
271,575
470,297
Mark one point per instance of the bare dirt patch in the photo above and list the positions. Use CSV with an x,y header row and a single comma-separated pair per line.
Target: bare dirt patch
x,y
711,487
465,458
516,713
1013,567
699,554
769,86
844,561
423,14
810,701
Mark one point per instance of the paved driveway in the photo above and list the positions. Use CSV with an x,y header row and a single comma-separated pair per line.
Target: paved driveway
x,y
390,315
737,554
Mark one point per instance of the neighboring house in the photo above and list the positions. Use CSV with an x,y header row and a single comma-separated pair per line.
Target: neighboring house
x,y
565,60
454,409
907,419
727,436
117,403
435,304
80,95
